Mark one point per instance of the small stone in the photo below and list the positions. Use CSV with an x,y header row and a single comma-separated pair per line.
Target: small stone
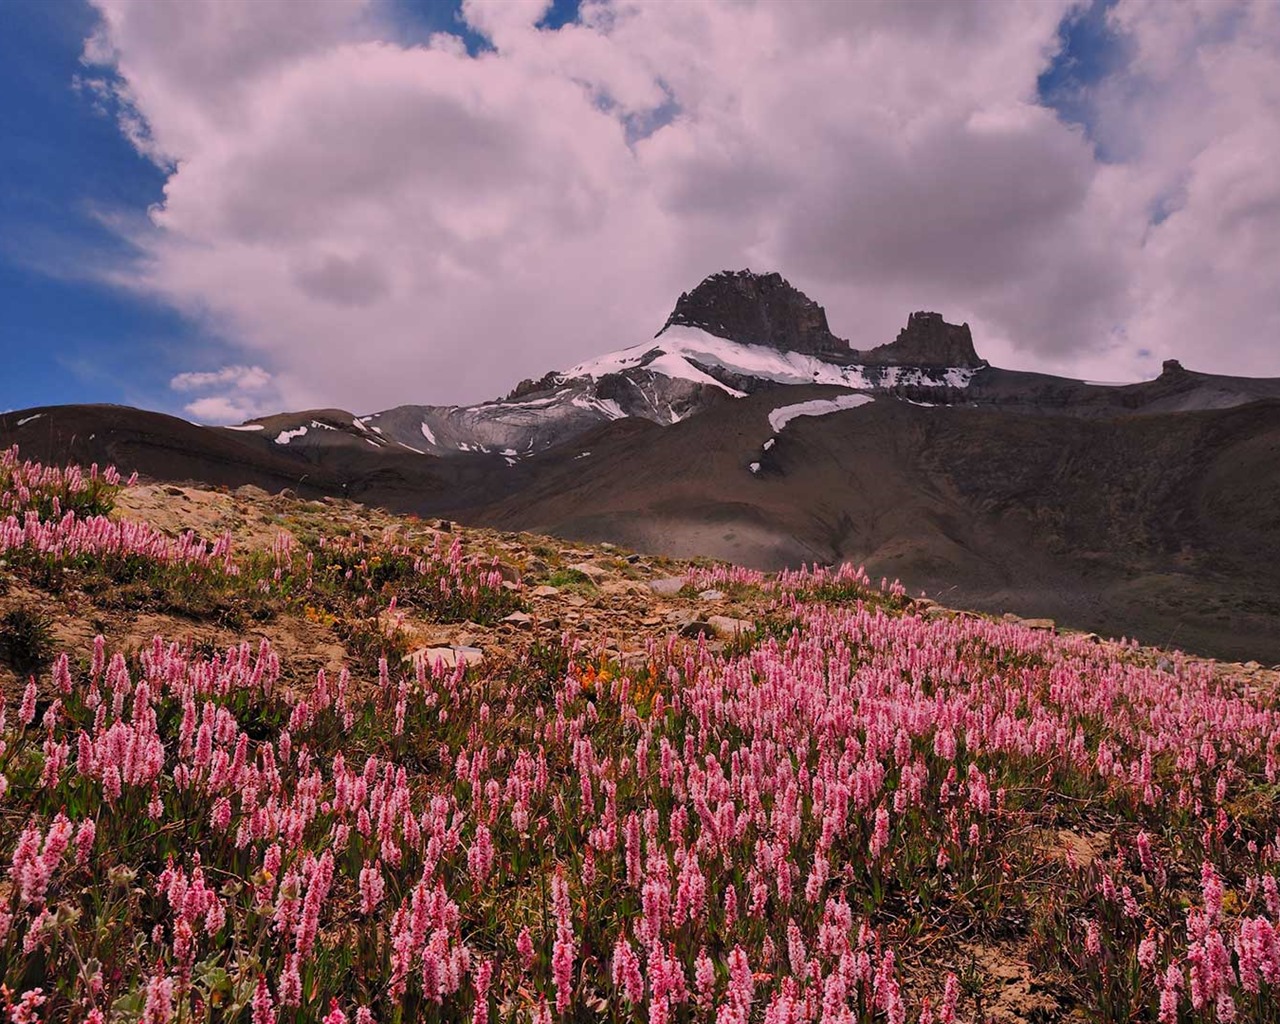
x,y
711,595
651,620
632,559
606,546
667,586
1045,624
520,620
546,590
725,626
444,525
575,601
450,656
508,572
177,492
592,572
697,628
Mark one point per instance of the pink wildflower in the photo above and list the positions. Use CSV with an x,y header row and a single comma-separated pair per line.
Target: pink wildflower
x,y
27,709
335,1015
264,1009
626,971
524,950
24,1012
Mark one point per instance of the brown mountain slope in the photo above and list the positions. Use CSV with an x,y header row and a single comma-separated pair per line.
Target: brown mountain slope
x,y
1160,526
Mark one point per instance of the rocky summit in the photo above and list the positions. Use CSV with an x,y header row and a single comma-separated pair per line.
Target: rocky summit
x,y
757,309
927,340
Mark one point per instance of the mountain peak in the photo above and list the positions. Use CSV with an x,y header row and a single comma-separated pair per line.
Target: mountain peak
x,y
757,309
927,340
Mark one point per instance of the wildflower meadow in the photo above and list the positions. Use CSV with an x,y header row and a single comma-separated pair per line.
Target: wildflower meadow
x,y
815,824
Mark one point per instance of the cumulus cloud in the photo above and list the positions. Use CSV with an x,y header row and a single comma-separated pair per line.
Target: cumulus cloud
x,y
245,378
381,222
230,394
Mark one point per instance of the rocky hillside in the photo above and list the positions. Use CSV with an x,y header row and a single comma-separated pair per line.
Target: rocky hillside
x,y
265,757
748,430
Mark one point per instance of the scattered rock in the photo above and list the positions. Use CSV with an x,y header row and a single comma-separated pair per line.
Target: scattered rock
x,y
697,628
1045,624
575,601
520,620
444,525
177,492
546,590
593,572
451,656
711,595
651,620
509,573
723,625
250,492
667,586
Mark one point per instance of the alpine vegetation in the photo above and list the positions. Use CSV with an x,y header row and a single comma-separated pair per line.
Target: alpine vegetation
x,y
859,807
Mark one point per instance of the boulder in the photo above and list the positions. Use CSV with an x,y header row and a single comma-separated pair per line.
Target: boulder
x,y
593,572
726,626
451,656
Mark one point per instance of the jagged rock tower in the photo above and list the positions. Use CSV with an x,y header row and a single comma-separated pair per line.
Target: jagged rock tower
x,y
758,309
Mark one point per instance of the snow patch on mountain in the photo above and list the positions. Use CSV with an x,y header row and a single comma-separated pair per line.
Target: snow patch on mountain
x,y
682,350
285,436
783,415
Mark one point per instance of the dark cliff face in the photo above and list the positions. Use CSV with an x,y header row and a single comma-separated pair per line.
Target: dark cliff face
x,y
927,340
757,309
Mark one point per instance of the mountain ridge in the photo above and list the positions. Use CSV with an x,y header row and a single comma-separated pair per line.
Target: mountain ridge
x,y
1144,508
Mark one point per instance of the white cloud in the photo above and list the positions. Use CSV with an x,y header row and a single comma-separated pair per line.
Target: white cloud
x,y
382,223
245,378
234,393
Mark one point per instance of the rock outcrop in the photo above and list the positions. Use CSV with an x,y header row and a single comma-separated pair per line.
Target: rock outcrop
x,y
927,340
757,309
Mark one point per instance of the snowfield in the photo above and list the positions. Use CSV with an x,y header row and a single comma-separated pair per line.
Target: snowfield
x,y
676,352
783,415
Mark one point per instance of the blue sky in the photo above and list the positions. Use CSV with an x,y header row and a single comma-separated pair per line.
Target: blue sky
x,y
63,338
608,234
64,166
